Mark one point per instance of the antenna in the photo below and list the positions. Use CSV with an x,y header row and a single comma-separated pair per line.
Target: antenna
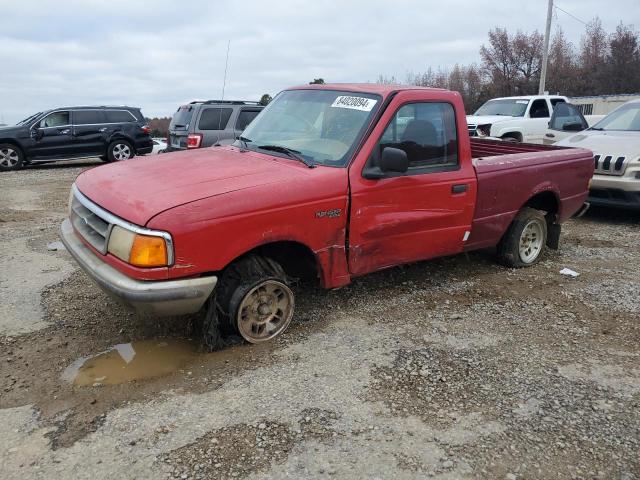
x,y
224,84
226,65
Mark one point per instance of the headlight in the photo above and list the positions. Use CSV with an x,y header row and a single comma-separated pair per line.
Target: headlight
x,y
136,249
484,130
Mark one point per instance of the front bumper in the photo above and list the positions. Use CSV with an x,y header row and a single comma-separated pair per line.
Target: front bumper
x,y
613,197
153,298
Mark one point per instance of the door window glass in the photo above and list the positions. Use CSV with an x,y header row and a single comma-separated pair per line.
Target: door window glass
x,y
56,119
88,117
564,114
245,117
214,118
426,132
539,109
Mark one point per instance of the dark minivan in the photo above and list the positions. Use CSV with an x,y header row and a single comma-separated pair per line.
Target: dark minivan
x,y
111,133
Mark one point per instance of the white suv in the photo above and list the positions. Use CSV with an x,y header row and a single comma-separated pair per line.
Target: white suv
x,y
615,142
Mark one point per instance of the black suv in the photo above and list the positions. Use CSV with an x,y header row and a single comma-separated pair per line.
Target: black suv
x,y
214,122
112,133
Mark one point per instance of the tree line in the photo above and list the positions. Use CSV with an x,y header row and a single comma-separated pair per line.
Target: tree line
x,y
604,63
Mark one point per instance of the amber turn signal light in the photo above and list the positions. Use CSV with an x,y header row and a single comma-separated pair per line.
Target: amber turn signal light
x,y
148,251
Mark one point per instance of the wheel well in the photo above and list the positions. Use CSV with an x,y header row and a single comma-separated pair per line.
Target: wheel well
x,y
11,141
516,135
545,201
297,260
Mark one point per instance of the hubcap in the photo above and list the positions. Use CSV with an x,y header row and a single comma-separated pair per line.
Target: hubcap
x,y
531,242
265,311
9,157
121,152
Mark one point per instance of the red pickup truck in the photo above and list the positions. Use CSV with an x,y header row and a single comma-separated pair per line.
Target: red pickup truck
x,y
330,182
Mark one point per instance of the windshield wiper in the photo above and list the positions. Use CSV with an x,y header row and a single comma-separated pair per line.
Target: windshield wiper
x,y
289,152
245,142
597,128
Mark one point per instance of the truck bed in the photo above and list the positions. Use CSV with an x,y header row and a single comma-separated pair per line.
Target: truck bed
x,y
507,175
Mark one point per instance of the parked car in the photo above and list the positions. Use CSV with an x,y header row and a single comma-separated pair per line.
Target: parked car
x,y
329,182
202,124
159,145
615,141
514,119
112,133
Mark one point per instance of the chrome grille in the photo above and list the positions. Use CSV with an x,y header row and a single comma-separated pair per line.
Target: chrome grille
x,y
609,164
473,130
92,227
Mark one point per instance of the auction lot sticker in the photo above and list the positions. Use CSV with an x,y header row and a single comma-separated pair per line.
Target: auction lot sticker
x,y
354,103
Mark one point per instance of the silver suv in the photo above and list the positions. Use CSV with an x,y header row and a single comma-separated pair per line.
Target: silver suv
x,y
202,124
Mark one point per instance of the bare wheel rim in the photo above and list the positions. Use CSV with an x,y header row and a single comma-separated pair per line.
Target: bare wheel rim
x,y
121,151
9,157
531,241
265,311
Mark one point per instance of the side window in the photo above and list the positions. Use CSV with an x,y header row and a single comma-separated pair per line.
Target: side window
x,y
119,116
427,133
56,119
214,118
245,117
567,117
539,109
88,117
555,101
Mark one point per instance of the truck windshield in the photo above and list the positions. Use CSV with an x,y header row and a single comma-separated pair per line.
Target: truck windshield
x,y
29,119
625,118
181,119
511,107
321,126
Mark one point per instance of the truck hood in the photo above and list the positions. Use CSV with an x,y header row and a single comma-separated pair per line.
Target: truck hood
x,y
139,189
487,119
625,144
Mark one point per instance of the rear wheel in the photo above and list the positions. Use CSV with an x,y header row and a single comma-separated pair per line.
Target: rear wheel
x,y
119,150
11,157
525,240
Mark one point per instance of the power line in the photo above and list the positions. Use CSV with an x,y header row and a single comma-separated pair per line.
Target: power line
x,y
570,14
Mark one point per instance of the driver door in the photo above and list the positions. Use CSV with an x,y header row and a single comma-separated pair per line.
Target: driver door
x,y
423,213
53,136
565,121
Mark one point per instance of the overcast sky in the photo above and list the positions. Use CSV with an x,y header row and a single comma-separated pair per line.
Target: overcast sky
x,y
75,52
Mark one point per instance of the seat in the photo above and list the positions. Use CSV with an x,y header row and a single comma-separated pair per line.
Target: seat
x,y
420,141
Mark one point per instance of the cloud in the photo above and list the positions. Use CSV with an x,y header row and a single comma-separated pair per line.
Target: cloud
x,y
158,55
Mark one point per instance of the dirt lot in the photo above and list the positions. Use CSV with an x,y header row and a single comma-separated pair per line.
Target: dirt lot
x,y
455,368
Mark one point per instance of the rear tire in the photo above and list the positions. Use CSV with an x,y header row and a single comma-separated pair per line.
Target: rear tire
x,y
11,157
119,150
524,243
512,138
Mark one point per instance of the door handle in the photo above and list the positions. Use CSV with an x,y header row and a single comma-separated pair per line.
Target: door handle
x,y
550,135
103,129
64,132
460,188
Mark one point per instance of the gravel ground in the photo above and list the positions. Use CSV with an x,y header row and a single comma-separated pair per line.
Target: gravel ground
x,y
454,368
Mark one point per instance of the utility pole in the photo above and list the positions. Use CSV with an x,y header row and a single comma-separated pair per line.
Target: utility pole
x,y
545,53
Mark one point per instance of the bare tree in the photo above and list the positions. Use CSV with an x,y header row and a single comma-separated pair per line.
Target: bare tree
x,y
623,61
594,49
563,67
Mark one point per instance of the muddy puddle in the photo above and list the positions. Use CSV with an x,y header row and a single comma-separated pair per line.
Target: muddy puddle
x,y
127,362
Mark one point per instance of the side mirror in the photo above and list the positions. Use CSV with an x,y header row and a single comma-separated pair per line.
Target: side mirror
x,y
572,127
37,133
394,160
